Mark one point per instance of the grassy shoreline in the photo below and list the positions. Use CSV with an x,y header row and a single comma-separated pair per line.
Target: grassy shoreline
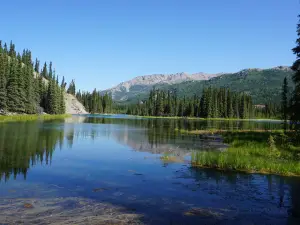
x,y
198,118
251,151
13,118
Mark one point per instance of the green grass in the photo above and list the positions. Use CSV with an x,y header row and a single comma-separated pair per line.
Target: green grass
x,y
218,131
254,152
13,118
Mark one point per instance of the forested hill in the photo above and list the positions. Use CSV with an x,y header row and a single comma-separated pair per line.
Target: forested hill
x,y
263,85
23,90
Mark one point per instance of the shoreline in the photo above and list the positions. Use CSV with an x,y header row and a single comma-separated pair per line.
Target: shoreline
x,y
31,117
201,118
262,172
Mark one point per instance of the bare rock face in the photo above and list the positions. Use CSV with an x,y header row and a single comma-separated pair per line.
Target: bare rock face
x,y
145,83
73,106
163,78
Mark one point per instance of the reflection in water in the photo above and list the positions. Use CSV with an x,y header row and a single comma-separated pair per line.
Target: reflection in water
x,y
23,145
127,185
171,124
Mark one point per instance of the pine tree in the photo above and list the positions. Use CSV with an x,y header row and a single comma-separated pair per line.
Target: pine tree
x,y
284,103
37,66
30,104
5,50
12,87
229,105
295,108
21,95
12,52
44,72
72,89
63,83
3,96
62,102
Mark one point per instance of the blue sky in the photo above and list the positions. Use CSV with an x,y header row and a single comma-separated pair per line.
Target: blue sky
x,y
102,43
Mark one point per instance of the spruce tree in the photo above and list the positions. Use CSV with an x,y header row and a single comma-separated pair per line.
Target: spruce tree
x,y
44,72
5,50
284,103
3,96
62,102
12,52
37,66
229,105
295,108
63,83
12,87
72,89
21,87
30,104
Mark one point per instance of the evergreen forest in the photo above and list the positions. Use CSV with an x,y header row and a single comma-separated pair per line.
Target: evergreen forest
x,y
24,88
213,103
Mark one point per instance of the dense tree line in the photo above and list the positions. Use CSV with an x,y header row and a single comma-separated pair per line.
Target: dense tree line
x,y
95,102
214,103
268,110
22,90
295,101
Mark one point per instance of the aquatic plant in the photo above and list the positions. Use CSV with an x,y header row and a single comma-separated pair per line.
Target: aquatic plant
x,y
252,152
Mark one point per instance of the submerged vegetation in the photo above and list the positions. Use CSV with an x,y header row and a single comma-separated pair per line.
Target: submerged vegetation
x,y
256,151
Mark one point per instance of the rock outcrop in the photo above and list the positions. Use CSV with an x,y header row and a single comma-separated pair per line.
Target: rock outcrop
x,y
73,106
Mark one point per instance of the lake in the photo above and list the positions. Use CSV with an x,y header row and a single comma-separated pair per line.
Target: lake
x,y
105,169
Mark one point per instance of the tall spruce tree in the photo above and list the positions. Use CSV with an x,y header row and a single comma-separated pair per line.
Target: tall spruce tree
x,y
37,66
44,72
229,105
62,102
72,89
31,100
12,87
3,96
295,108
284,103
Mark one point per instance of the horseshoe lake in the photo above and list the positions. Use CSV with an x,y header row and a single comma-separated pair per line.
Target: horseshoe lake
x,y
116,169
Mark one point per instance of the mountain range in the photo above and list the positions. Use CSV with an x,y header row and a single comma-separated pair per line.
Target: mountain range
x,y
262,84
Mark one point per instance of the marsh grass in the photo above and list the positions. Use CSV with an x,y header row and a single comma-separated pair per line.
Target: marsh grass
x,y
254,152
13,118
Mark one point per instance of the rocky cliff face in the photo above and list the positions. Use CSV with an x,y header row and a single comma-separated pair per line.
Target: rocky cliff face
x,y
73,106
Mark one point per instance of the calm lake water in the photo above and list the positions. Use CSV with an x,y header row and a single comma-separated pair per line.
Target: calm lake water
x,y
108,170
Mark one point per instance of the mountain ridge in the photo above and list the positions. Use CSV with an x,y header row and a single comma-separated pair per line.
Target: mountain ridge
x,y
137,87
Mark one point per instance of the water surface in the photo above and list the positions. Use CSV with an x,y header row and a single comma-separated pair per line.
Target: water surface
x,y
101,169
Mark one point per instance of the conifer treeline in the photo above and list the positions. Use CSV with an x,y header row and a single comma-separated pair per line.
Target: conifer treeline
x,y
214,103
95,102
20,92
295,101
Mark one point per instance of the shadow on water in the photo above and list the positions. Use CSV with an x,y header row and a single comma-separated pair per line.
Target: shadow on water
x,y
161,193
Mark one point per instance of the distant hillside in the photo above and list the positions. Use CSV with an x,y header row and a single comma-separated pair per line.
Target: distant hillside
x,y
143,84
262,84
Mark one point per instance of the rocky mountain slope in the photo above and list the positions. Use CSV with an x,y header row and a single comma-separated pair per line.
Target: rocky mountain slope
x,y
141,84
263,84
73,106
